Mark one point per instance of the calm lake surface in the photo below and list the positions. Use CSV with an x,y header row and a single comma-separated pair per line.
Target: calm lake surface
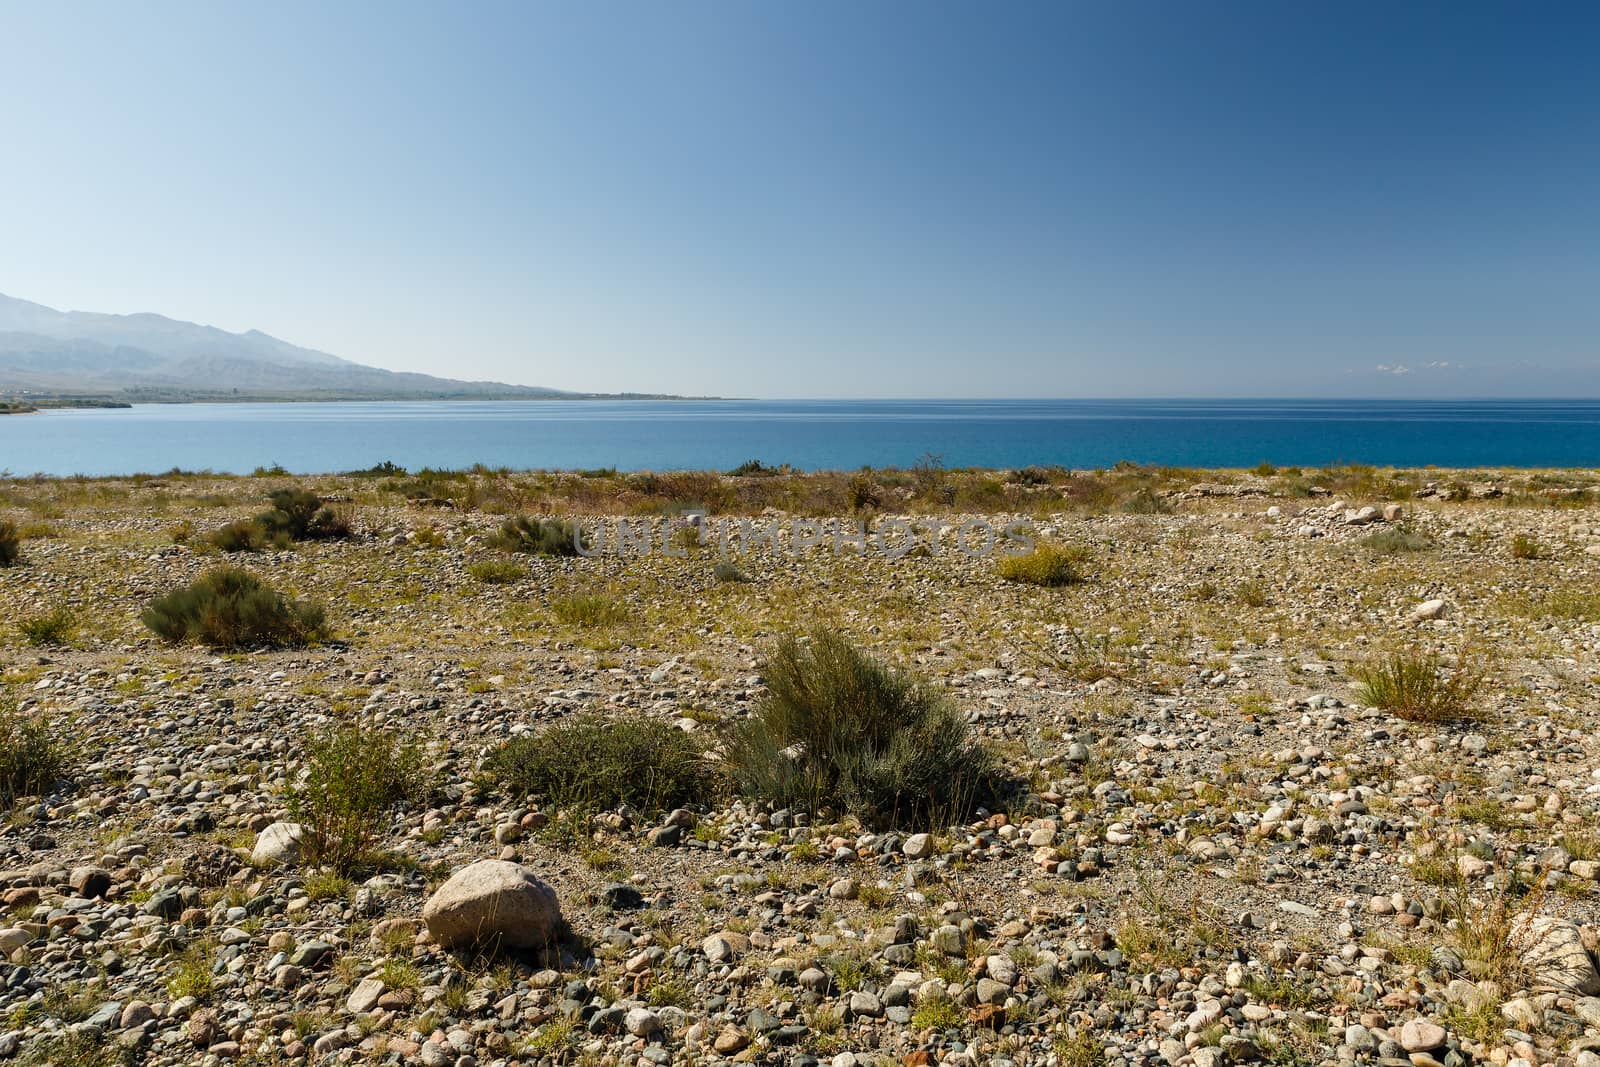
x,y
815,434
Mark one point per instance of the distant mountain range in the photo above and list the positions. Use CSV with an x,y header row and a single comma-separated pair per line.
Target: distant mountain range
x,y
47,355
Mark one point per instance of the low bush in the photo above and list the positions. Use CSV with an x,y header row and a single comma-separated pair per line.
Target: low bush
x,y
295,515
351,775
497,571
1418,687
1146,502
32,759
1254,594
50,628
10,543
1525,547
729,572
1394,541
594,762
536,537
588,610
245,535
1049,565
228,607
864,493
301,515
838,728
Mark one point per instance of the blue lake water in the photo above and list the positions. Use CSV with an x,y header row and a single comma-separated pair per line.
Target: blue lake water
x,y
814,434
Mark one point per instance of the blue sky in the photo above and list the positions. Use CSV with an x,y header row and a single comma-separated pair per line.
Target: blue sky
x,y
831,199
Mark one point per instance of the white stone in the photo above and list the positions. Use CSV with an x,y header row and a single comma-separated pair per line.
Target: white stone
x,y
278,843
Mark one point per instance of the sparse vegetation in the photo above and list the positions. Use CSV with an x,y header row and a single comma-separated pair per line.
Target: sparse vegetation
x,y
1418,687
1048,565
838,728
47,628
295,515
497,571
537,537
595,762
725,571
1525,547
588,610
1395,541
10,543
32,758
228,607
350,775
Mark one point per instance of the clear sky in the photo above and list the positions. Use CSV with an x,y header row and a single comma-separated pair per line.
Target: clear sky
x,y
850,198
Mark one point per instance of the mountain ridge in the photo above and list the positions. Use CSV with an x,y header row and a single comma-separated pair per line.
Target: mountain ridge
x,y
50,354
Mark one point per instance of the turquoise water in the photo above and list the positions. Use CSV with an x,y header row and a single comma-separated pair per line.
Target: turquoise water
x,y
809,434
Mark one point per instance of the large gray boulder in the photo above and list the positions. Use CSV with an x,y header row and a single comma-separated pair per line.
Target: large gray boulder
x,y
493,902
1553,951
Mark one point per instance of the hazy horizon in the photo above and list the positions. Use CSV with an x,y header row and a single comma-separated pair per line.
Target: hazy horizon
x,y
880,201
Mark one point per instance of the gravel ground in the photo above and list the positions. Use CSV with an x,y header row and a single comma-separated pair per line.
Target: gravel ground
x,y
1217,853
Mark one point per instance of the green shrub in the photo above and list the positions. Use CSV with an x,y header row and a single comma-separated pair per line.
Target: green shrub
x,y
838,728
352,774
729,572
1395,540
228,607
1417,687
1525,547
536,537
497,571
1146,502
31,758
301,515
588,610
50,628
1573,604
245,535
10,543
864,492
79,1048
1254,593
592,761
1048,565
296,515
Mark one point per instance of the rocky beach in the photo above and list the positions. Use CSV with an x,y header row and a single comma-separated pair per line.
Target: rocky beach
x,y
1296,767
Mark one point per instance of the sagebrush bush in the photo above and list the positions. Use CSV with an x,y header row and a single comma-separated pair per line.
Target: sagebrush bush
x,y
228,607
351,774
10,543
32,759
301,515
1048,565
245,535
49,628
592,762
295,515
838,728
538,537
1418,687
